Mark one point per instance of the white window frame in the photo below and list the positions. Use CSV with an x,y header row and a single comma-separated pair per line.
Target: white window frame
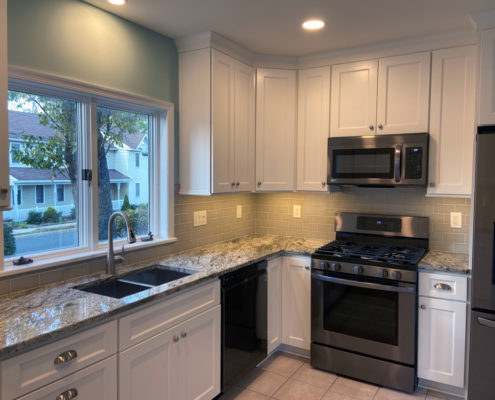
x,y
19,190
57,185
161,175
11,158
137,185
36,194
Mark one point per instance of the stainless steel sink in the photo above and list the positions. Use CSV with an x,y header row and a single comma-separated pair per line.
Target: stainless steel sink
x,y
156,276
136,282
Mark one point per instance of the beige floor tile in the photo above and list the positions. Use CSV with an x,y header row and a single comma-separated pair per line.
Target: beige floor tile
x,y
266,383
247,394
354,389
336,396
296,390
389,394
434,395
283,364
314,376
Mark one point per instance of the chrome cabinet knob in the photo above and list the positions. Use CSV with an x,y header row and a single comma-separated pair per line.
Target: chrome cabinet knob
x,y
442,286
259,183
422,306
237,184
323,184
176,338
183,334
372,127
65,357
380,126
432,184
232,184
67,395
4,190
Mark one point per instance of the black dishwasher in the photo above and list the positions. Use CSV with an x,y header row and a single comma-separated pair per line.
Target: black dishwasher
x,y
244,321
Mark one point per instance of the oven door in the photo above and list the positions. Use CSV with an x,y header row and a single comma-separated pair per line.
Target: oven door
x,y
365,316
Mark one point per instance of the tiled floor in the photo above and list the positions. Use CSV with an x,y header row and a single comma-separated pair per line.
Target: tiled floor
x,y
287,377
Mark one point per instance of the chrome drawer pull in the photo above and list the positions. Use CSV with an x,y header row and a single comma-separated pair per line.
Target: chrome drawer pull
x,y
442,286
67,395
65,357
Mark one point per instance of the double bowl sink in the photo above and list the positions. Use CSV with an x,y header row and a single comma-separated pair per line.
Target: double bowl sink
x,y
136,282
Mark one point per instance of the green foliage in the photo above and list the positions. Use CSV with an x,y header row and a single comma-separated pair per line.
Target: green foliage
x,y
51,216
34,218
19,225
72,213
126,205
139,221
8,240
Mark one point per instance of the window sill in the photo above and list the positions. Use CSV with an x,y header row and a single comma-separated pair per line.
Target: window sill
x,y
66,258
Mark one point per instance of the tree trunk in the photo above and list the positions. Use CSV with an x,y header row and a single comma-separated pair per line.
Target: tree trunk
x,y
105,208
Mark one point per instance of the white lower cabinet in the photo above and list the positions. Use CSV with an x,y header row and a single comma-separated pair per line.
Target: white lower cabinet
x,y
97,382
274,270
296,302
442,334
180,363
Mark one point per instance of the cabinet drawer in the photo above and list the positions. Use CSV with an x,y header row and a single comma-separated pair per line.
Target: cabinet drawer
x,y
97,382
36,368
154,319
443,286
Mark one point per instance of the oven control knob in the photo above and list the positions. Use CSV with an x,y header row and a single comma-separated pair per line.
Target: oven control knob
x,y
383,273
358,269
335,267
396,275
323,264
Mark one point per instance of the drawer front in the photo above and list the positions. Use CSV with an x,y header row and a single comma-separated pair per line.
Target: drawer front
x,y
157,318
443,286
36,368
97,382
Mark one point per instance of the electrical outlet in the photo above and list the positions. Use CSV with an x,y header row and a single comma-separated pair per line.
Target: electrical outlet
x,y
456,220
239,211
296,212
199,218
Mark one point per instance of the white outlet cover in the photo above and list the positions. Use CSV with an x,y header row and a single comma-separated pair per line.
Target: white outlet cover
x,y
296,211
239,211
456,220
199,218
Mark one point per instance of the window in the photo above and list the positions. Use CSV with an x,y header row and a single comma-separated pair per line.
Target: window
x,y
60,193
40,194
54,142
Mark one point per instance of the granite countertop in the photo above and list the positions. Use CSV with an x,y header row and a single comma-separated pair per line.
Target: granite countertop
x,y
438,261
55,310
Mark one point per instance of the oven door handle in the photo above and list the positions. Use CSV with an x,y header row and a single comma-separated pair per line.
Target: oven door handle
x,y
366,285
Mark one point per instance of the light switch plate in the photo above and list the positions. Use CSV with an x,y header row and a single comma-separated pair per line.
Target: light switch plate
x,y
456,220
239,211
199,218
296,213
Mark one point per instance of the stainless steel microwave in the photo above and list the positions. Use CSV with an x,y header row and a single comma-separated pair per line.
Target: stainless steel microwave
x,y
381,160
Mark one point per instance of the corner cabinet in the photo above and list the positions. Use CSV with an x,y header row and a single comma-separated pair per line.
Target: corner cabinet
x,y
313,129
385,96
274,326
487,86
4,134
453,121
216,123
275,129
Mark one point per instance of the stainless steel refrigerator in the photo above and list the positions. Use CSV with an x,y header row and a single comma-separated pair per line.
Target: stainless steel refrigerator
x,y
481,385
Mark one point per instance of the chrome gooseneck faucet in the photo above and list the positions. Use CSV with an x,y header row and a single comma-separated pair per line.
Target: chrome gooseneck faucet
x,y
131,238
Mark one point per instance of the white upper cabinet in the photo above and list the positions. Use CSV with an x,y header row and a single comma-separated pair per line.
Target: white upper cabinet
x,y
216,122
452,123
313,126
275,129
4,135
403,94
353,102
487,87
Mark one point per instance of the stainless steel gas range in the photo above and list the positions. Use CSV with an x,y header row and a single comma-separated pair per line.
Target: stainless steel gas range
x,y
363,298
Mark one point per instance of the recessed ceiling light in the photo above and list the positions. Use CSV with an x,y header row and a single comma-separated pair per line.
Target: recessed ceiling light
x,y
117,2
313,24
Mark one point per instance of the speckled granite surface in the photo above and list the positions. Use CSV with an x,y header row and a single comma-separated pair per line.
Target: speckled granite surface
x,y
438,261
48,312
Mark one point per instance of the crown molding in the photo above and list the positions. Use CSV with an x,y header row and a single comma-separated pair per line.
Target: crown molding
x,y
483,20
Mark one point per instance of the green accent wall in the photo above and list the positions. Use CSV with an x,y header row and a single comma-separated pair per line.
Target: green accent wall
x,y
74,39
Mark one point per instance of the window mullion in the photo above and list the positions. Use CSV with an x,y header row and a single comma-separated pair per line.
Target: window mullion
x,y
92,163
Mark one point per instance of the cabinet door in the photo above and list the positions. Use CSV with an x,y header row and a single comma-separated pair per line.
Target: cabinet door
x,y
275,129
452,123
4,135
403,94
150,370
441,340
96,382
353,99
487,87
199,355
244,128
312,131
222,122
274,270
296,299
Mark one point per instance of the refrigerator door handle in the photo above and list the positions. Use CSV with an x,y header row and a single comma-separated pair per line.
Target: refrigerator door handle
x,y
486,322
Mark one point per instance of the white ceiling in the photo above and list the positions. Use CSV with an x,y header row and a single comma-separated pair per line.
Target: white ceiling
x,y
273,26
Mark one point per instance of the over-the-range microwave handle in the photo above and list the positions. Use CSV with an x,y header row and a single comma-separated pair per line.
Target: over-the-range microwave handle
x,y
486,322
366,285
397,162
